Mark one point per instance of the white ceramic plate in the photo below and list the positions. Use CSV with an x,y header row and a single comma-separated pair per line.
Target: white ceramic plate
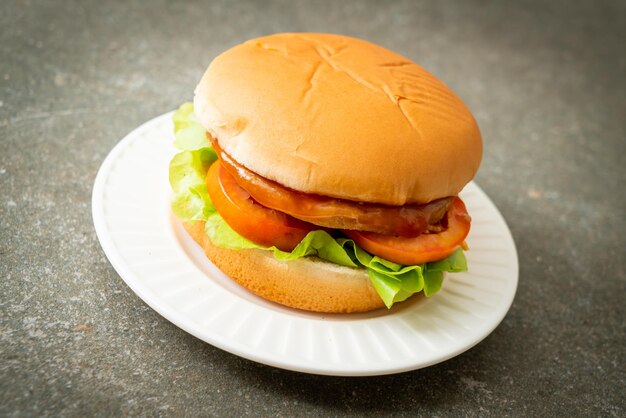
x,y
151,251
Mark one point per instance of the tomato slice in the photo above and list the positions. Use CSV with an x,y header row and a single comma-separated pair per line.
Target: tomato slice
x,y
255,222
420,249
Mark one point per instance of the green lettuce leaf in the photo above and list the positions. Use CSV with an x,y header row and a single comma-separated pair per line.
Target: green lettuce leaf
x,y
191,202
433,272
189,134
191,199
316,243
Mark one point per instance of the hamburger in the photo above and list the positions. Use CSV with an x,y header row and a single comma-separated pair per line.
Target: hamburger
x,y
322,172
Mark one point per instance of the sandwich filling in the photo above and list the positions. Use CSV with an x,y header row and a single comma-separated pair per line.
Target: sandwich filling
x,y
329,212
405,249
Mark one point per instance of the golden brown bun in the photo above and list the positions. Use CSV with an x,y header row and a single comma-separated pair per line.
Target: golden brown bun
x,y
307,283
341,117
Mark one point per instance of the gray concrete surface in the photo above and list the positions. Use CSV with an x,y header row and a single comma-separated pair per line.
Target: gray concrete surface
x,y
546,83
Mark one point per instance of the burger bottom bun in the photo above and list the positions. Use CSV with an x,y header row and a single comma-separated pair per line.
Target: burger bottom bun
x,y
308,283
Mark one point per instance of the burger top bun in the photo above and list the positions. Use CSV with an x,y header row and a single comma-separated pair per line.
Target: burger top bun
x,y
341,117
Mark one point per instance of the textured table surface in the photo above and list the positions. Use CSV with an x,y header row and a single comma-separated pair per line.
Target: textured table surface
x,y
546,83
